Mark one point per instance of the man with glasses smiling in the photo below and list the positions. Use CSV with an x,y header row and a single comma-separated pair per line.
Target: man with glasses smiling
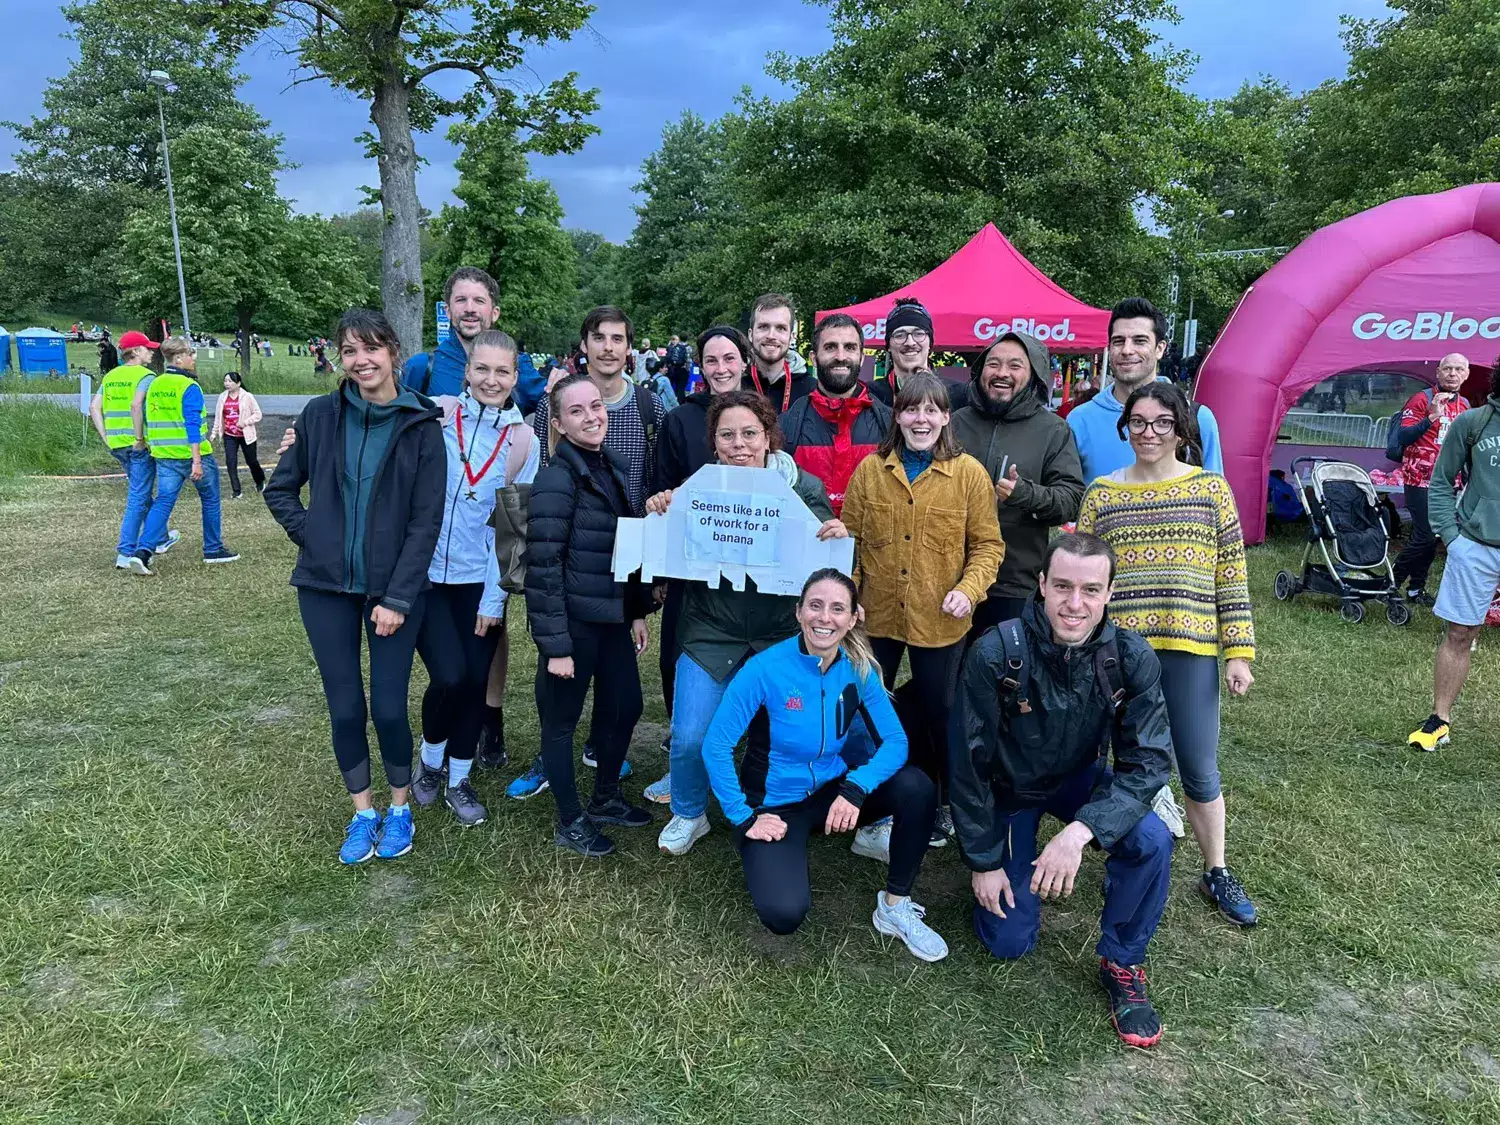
x,y
908,349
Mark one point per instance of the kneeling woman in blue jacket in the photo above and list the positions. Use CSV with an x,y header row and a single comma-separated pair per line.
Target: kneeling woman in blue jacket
x,y
837,760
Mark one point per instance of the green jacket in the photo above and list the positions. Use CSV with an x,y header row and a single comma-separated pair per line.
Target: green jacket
x,y
1472,447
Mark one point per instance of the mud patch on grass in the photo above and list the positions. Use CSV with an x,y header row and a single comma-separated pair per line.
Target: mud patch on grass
x,y
52,988
218,1045
268,715
282,949
351,993
1483,1062
406,1115
482,1044
387,888
109,906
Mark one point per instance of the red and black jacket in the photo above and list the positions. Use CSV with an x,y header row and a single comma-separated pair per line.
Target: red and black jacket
x,y
828,437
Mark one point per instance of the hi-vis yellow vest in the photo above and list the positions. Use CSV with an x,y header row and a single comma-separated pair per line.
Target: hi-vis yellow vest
x,y
116,393
166,432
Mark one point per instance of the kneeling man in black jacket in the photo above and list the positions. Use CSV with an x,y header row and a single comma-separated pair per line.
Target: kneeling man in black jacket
x,y
1041,700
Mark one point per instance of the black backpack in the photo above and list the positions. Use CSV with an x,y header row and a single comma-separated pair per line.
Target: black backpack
x,y
1017,679
1394,450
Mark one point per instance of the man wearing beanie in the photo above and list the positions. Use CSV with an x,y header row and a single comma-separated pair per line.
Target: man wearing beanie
x,y
908,349
1029,453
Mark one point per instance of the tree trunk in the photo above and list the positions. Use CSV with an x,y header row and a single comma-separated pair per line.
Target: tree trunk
x,y
401,238
243,316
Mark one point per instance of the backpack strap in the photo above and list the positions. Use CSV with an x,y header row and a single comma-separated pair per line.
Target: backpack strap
x,y
1110,676
1471,439
1016,678
645,404
426,376
521,438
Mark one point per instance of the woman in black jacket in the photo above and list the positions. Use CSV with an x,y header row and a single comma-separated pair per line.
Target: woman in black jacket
x,y
372,457
587,627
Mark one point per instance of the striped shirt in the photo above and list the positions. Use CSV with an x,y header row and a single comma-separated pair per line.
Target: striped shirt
x,y
1181,581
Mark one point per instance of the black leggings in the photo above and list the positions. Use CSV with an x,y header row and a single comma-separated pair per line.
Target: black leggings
x,y
776,873
925,701
605,656
1415,559
333,624
233,446
458,666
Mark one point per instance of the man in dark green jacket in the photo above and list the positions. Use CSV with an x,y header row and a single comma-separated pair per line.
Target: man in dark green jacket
x,y
1470,529
1029,453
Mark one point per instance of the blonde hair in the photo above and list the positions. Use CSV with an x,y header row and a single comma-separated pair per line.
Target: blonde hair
x,y
174,348
554,405
856,645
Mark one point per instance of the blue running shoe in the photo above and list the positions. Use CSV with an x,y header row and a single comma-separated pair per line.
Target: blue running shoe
x,y
359,839
1224,890
395,833
529,784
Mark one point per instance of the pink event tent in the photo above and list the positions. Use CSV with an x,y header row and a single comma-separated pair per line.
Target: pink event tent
x,y
1394,288
985,290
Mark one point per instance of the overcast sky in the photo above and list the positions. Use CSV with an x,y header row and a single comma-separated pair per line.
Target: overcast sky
x,y
650,60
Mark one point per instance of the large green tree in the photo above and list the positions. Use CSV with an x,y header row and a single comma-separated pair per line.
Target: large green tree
x,y
388,52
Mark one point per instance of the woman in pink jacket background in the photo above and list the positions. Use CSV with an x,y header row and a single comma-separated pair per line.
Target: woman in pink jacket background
x,y
235,416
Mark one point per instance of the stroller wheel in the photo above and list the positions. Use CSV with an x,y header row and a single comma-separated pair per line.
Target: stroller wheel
x,y
1352,612
1286,585
1397,612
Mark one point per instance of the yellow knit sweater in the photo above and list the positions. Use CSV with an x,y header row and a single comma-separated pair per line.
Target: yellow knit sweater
x,y
1181,581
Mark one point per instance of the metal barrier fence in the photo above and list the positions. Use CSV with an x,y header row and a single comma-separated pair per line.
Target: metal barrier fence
x,y
1311,427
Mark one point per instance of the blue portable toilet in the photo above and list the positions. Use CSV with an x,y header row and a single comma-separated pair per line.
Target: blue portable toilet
x,y
4,351
41,352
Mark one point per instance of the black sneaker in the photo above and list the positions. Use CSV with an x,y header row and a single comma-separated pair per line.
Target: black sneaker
x,y
492,755
1421,597
465,804
427,783
1222,888
617,810
942,828
1135,1020
582,837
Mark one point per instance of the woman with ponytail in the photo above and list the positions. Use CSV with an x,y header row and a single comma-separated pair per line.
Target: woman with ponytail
x,y
828,710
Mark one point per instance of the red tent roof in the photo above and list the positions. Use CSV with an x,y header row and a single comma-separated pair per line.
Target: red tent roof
x,y
985,290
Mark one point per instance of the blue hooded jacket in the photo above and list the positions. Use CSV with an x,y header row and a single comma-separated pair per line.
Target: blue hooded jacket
x,y
814,730
441,372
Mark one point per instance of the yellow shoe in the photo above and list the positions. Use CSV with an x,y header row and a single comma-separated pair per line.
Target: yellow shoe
x,y
1430,735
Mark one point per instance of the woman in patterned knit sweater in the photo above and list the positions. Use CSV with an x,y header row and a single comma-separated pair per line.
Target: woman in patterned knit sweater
x,y
1182,585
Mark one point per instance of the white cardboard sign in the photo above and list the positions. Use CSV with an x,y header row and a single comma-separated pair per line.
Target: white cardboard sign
x,y
734,523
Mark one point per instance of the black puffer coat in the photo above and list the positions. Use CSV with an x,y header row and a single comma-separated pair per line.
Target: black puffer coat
x,y
1003,759
570,542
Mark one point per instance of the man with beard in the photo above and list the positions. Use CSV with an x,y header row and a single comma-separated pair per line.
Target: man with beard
x,y
771,320
838,425
1137,342
1029,454
472,297
908,349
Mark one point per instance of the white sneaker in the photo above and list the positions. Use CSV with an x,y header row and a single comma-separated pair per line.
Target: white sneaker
x,y
873,841
172,539
904,921
138,565
681,833
122,562
1165,806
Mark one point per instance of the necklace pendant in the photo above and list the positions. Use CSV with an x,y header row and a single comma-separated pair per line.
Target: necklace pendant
x,y
470,495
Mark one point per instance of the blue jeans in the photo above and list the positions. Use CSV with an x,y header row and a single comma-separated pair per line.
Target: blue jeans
x,y
1135,881
695,698
140,481
171,475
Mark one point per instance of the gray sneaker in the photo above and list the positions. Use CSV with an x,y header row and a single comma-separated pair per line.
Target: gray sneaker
x,y
465,804
427,783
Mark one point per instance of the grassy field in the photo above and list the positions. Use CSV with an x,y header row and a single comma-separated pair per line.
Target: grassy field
x,y
180,945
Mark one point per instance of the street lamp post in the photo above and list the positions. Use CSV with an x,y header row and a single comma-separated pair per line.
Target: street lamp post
x,y
161,80
1193,276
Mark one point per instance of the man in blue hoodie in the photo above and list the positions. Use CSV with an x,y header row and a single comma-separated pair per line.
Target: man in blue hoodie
x,y
1137,342
473,300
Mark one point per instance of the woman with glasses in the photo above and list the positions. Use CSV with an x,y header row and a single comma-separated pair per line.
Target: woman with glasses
x,y
720,628
1181,583
908,349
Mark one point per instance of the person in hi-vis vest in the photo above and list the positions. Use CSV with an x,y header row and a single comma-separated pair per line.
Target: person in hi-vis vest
x,y
177,434
118,411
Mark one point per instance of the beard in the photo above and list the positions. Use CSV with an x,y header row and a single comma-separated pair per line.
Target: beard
x,y
768,355
838,378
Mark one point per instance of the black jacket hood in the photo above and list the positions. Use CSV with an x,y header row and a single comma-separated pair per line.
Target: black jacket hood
x,y
1036,394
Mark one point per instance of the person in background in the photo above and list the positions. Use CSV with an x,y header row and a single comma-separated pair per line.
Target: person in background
x,y
109,356
176,431
1181,584
588,628
772,319
235,415
488,446
718,627
473,299
371,455
1424,424
1042,702
836,427
118,411
679,365
1030,457
1470,530
1137,343
922,514
908,349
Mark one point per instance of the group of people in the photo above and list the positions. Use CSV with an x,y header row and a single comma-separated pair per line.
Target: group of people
x,y
1025,696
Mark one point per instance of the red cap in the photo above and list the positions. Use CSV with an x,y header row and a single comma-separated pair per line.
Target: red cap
x,y
137,340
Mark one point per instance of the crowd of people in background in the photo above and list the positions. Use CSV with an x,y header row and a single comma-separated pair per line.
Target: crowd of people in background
x,y
1069,595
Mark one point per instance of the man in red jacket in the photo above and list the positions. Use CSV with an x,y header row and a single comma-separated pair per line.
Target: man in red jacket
x,y
837,426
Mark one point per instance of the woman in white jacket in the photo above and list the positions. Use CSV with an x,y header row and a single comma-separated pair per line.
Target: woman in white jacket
x,y
489,446
235,416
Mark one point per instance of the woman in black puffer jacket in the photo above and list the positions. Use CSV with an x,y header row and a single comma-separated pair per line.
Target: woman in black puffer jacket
x,y
587,626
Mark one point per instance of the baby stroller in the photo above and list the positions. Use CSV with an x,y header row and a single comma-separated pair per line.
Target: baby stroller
x,y
1349,533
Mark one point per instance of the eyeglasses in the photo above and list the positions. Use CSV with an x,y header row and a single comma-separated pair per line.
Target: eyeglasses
x,y
748,435
912,335
1161,426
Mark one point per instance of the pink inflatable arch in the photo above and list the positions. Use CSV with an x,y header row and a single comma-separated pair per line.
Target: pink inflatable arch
x,y
1394,288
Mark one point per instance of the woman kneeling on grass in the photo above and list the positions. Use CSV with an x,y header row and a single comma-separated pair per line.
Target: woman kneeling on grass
x,y
827,705
588,628
371,455
719,627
